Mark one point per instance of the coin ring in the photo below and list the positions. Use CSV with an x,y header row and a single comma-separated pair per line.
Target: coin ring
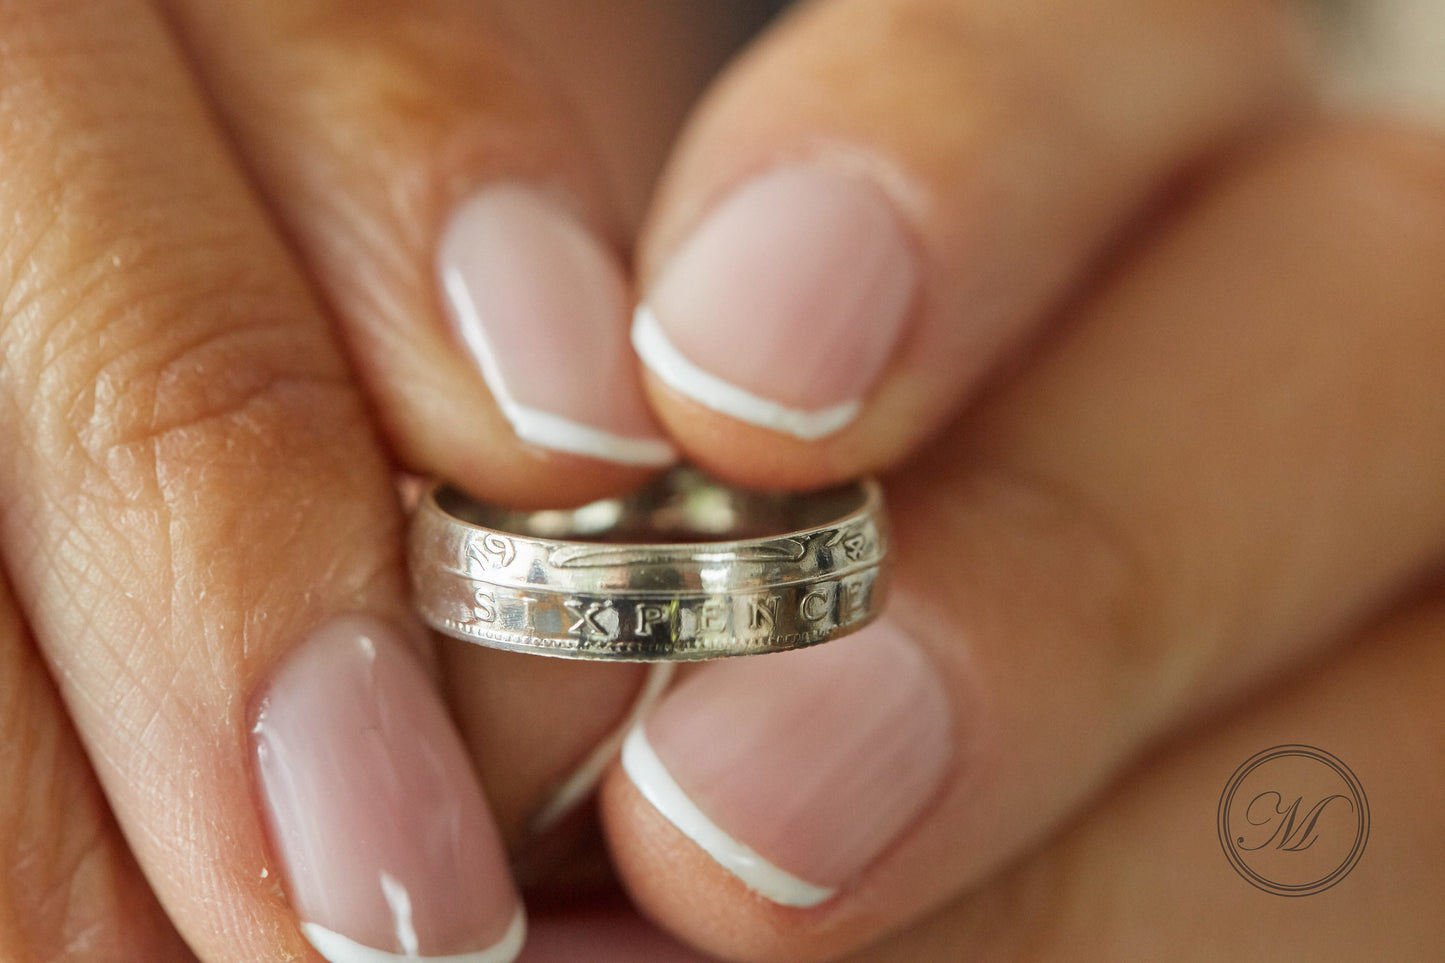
x,y
686,569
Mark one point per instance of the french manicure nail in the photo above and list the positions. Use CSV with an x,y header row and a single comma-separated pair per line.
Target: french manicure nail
x,y
795,771
582,782
783,308
542,306
387,847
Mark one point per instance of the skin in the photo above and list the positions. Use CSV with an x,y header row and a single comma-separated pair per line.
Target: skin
x,y
1083,601
218,303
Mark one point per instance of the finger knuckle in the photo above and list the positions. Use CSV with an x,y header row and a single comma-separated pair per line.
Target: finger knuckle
x,y
119,372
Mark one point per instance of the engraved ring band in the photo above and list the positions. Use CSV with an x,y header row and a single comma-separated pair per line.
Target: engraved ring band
x,y
686,569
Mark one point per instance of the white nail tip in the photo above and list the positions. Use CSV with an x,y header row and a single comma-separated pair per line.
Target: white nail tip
x,y
681,375
562,434
657,786
538,427
584,779
338,949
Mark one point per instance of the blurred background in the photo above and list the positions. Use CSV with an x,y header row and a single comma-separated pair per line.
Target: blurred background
x,y
1390,52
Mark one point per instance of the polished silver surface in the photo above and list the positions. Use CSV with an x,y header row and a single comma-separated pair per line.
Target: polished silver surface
x,y
686,569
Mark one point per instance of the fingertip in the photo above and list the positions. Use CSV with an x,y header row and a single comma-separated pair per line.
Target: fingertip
x,y
538,303
784,308
824,250
682,375
884,431
529,477
675,883
436,173
387,845
656,784
763,788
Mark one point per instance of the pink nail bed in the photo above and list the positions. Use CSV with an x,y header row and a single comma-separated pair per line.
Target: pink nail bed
x,y
783,308
795,771
541,306
388,849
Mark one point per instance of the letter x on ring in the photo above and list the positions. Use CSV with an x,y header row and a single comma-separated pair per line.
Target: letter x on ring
x,y
686,569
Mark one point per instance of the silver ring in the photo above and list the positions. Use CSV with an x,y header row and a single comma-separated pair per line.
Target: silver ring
x,y
686,569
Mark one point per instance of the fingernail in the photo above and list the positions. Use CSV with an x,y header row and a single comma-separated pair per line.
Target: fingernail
x,y
542,306
795,771
582,782
785,305
388,850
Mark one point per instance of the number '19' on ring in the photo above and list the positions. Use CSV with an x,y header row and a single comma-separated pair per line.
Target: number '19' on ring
x,y
687,568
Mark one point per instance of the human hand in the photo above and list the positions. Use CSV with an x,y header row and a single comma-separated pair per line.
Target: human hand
x,y
1216,461
204,900
196,512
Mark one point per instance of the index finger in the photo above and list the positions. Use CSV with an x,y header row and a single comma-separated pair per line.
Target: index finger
x,y
201,531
